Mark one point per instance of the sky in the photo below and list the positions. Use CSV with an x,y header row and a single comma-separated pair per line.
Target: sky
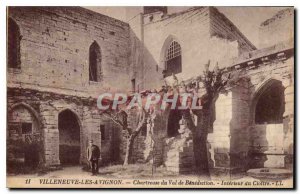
x,y
247,19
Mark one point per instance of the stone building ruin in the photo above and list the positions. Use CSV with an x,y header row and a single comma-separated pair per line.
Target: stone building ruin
x,y
59,59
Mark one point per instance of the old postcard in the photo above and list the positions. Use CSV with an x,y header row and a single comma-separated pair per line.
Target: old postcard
x,y
150,97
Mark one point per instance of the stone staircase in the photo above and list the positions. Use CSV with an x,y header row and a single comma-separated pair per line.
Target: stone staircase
x,y
179,155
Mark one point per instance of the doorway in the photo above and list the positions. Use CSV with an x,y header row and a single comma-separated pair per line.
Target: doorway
x,y
69,138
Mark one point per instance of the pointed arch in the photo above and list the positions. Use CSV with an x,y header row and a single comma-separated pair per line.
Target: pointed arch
x,y
32,111
13,44
171,56
69,127
95,58
24,130
268,102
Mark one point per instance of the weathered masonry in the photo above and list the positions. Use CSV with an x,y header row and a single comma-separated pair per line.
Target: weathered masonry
x,y
61,58
254,120
253,126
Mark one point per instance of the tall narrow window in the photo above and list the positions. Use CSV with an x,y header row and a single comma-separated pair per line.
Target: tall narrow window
x,y
133,85
13,45
95,72
173,59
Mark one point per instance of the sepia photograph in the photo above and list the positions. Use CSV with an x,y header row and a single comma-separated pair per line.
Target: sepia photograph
x,y
150,97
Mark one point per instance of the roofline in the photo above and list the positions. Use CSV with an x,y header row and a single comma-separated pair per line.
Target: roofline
x,y
97,13
235,28
253,55
278,52
173,15
279,13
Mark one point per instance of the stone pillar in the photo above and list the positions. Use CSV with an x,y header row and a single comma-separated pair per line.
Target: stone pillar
x,y
219,140
159,135
239,129
91,129
51,134
288,122
155,140
228,144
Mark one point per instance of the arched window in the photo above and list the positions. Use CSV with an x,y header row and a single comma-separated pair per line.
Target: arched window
x,y
95,73
173,59
13,45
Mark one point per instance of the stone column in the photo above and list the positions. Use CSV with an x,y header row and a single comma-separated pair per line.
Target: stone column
x,y
159,135
219,140
288,122
86,132
91,129
239,129
51,134
228,144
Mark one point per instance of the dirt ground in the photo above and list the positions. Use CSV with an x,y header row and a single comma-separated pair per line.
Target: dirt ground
x,y
140,171
115,171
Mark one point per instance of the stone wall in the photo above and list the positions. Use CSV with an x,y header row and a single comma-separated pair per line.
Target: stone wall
x,y
46,108
278,153
110,143
222,27
55,45
136,59
23,133
54,77
54,73
198,31
156,147
179,154
279,28
267,148
237,143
